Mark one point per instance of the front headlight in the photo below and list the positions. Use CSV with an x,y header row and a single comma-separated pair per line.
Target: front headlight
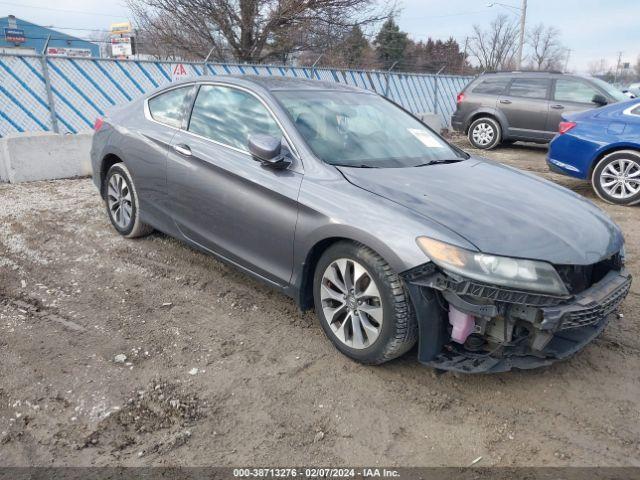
x,y
492,269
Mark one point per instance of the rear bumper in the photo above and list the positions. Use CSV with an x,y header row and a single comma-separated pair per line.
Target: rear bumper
x,y
571,155
556,328
558,166
457,125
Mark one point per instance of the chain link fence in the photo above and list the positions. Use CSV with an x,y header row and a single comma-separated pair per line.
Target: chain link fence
x,y
65,95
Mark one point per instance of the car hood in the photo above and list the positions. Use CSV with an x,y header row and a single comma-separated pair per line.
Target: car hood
x,y
500,210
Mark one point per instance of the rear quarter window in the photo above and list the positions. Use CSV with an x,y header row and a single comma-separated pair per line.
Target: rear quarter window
x,y
168,107
491,86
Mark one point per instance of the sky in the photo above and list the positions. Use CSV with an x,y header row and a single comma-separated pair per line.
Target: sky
x,y
592,29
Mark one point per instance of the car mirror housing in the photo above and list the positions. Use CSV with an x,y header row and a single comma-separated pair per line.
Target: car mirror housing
x,y
268,150
599,99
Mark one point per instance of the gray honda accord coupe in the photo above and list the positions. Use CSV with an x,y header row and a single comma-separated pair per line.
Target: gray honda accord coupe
x,y
349,204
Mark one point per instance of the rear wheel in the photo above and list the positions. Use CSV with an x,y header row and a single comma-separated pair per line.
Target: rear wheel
x,y
122,204
362,304
485,133
616,178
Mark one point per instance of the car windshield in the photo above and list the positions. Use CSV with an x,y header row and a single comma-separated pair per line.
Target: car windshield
x,y
363,130
611,90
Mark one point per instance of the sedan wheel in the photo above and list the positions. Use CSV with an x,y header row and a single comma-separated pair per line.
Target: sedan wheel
x,y
362,304
121,200
351,303
616,178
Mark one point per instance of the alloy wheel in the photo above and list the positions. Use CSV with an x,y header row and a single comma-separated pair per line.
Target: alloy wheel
x,y
483,134
119,200
621,179
351,303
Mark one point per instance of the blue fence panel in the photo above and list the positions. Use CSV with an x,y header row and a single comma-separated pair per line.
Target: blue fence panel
x,y
83,89
23,98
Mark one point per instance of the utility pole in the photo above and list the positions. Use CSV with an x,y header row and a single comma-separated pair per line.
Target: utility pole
x,y
615,80
464,55
566,62
523,20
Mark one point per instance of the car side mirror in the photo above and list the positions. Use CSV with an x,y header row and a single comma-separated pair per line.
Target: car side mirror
x,y
599,100
268,150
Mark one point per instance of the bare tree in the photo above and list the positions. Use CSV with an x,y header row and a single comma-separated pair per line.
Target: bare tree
x,y
598,67
495,48
248,30
547,51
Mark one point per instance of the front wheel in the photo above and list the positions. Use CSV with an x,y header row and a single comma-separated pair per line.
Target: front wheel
x,y
485,133
362,304
616,178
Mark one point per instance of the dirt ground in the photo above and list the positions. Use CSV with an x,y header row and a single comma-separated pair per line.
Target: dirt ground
x,y
221,370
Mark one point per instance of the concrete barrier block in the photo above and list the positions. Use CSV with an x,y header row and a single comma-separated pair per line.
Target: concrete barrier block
x,y
433,120
27,157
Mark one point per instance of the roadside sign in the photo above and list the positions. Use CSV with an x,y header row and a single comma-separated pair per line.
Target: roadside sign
x,y
178,72
120,28
14,35
68,52
121,47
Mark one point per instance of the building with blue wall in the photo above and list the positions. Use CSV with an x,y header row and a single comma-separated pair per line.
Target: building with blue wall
x,y
26,37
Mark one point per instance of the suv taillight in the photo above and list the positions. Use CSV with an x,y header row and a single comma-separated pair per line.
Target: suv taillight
x,y
460,98
98,124
565,127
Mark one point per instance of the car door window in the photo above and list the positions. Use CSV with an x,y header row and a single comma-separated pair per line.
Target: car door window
x,y
492,86
574,91
529,88
168,107
228,115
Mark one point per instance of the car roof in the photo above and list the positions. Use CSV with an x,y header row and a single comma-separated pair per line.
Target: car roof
x,y
275,83
514,73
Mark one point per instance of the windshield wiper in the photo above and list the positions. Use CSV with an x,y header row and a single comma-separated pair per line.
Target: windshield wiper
x,y
437,162
362,165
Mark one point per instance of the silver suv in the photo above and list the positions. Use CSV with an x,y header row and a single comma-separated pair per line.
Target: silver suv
x,y
504,107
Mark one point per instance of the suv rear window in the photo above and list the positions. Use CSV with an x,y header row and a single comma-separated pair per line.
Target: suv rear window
x,y
529,87
492,86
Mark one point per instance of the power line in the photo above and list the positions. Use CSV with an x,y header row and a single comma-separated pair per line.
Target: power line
x,y
82,12
461,14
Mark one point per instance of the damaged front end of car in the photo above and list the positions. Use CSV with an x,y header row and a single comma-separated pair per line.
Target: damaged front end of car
x,y
470,324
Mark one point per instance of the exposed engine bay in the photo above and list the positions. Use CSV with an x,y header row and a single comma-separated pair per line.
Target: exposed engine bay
x,y
471,327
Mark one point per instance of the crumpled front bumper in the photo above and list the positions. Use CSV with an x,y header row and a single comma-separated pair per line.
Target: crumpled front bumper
x,y
565,325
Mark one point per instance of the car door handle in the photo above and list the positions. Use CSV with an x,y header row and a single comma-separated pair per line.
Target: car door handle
x,y
182,149
506,102
557,107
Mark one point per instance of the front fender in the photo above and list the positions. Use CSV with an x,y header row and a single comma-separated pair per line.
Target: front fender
x,y
336,209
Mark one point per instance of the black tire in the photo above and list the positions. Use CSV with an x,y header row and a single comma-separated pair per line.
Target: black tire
x,y
134,227
492,130
599,176
398,331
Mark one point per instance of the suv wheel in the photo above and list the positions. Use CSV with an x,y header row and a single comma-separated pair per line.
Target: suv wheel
x,y
616,178
362,304
122,204
485,133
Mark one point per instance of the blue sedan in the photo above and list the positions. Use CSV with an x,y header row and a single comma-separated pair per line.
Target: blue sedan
x,y
603,146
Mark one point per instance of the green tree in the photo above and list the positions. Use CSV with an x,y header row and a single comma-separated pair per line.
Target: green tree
x,y
354,47
391,44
